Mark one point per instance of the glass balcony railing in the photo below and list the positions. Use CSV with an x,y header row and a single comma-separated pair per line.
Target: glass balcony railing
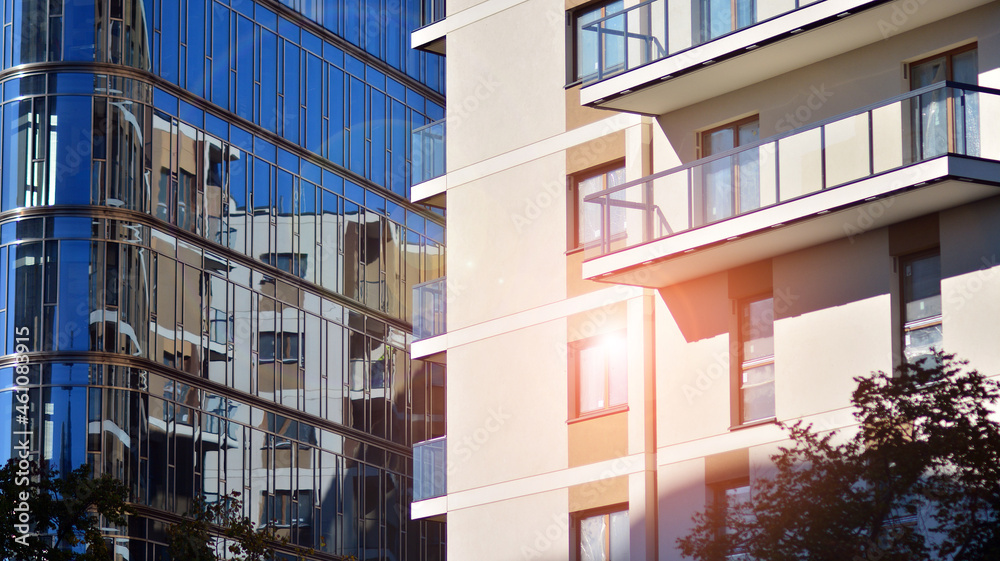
x,y
428,152
656,29
429,308
430,469
940,119
431,11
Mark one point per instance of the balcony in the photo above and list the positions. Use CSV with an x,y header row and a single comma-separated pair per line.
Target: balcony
x,y
429,312
431,34
661,55
917,153
430,472
428,164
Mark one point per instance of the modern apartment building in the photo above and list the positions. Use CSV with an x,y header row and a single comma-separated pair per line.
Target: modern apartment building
x,y
206,259
673,223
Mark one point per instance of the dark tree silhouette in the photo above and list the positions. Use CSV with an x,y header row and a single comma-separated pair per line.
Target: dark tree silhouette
x,y
918,480
64,513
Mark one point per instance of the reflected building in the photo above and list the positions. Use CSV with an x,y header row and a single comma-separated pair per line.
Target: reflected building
x,y
206,256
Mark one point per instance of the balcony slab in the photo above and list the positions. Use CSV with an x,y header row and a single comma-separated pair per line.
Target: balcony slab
x,y
431,192
434,509
432,349
761,52
430,37
824,216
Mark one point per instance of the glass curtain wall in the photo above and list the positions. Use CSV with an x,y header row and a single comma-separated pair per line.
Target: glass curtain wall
x,y
212,277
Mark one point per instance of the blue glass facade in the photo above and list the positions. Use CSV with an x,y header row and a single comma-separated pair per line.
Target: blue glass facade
x,y
207,254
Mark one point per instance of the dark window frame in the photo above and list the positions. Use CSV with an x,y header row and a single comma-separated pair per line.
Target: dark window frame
x,y
573,75
575,348
745,364
576,205
578,518
908,326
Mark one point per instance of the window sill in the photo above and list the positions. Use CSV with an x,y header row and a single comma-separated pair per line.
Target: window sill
x,y
752,424
598,414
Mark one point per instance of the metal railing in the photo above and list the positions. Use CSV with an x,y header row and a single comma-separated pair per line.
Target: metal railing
x,y
429,308
430,469
645,33
940,119
428,149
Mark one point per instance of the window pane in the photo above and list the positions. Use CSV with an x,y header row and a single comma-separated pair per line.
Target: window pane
x,y
918,342
758,329
922,287
617,372
591,365
965,67
590,214
619,536
593,532
758,393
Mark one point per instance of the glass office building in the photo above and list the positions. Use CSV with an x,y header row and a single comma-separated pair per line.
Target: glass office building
x,y
206,255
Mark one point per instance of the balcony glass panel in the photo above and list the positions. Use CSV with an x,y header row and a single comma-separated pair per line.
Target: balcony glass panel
x,y
430,469
428,152
626,38
933,121
429,308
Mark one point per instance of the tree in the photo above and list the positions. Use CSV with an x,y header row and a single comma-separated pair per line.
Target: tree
x,y
193,538
918,480
45,516
210,532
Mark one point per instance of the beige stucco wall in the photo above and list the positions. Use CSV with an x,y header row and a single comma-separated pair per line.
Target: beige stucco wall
x,y
507,260
490,110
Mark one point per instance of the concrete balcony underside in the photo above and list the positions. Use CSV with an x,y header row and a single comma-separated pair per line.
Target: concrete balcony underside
x,y
805,36
432,509
843,212
430,38
431,192
432,349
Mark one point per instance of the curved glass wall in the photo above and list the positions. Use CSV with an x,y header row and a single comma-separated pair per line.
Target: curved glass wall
x,y
249,60
172,442
206,259
139,148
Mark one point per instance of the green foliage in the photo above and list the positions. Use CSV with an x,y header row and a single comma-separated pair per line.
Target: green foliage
x,y
64,513
918,480
194,537
211,532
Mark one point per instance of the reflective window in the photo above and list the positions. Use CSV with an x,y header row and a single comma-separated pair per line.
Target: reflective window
x,y
922,319
599,367
757,359
604,536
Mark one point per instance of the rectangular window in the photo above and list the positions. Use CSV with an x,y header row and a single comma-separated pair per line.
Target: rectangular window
x,y
603,536
599,370
757,359
731,185
719,17
930,114
586,218
735,496
921,314
281,346
600,39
